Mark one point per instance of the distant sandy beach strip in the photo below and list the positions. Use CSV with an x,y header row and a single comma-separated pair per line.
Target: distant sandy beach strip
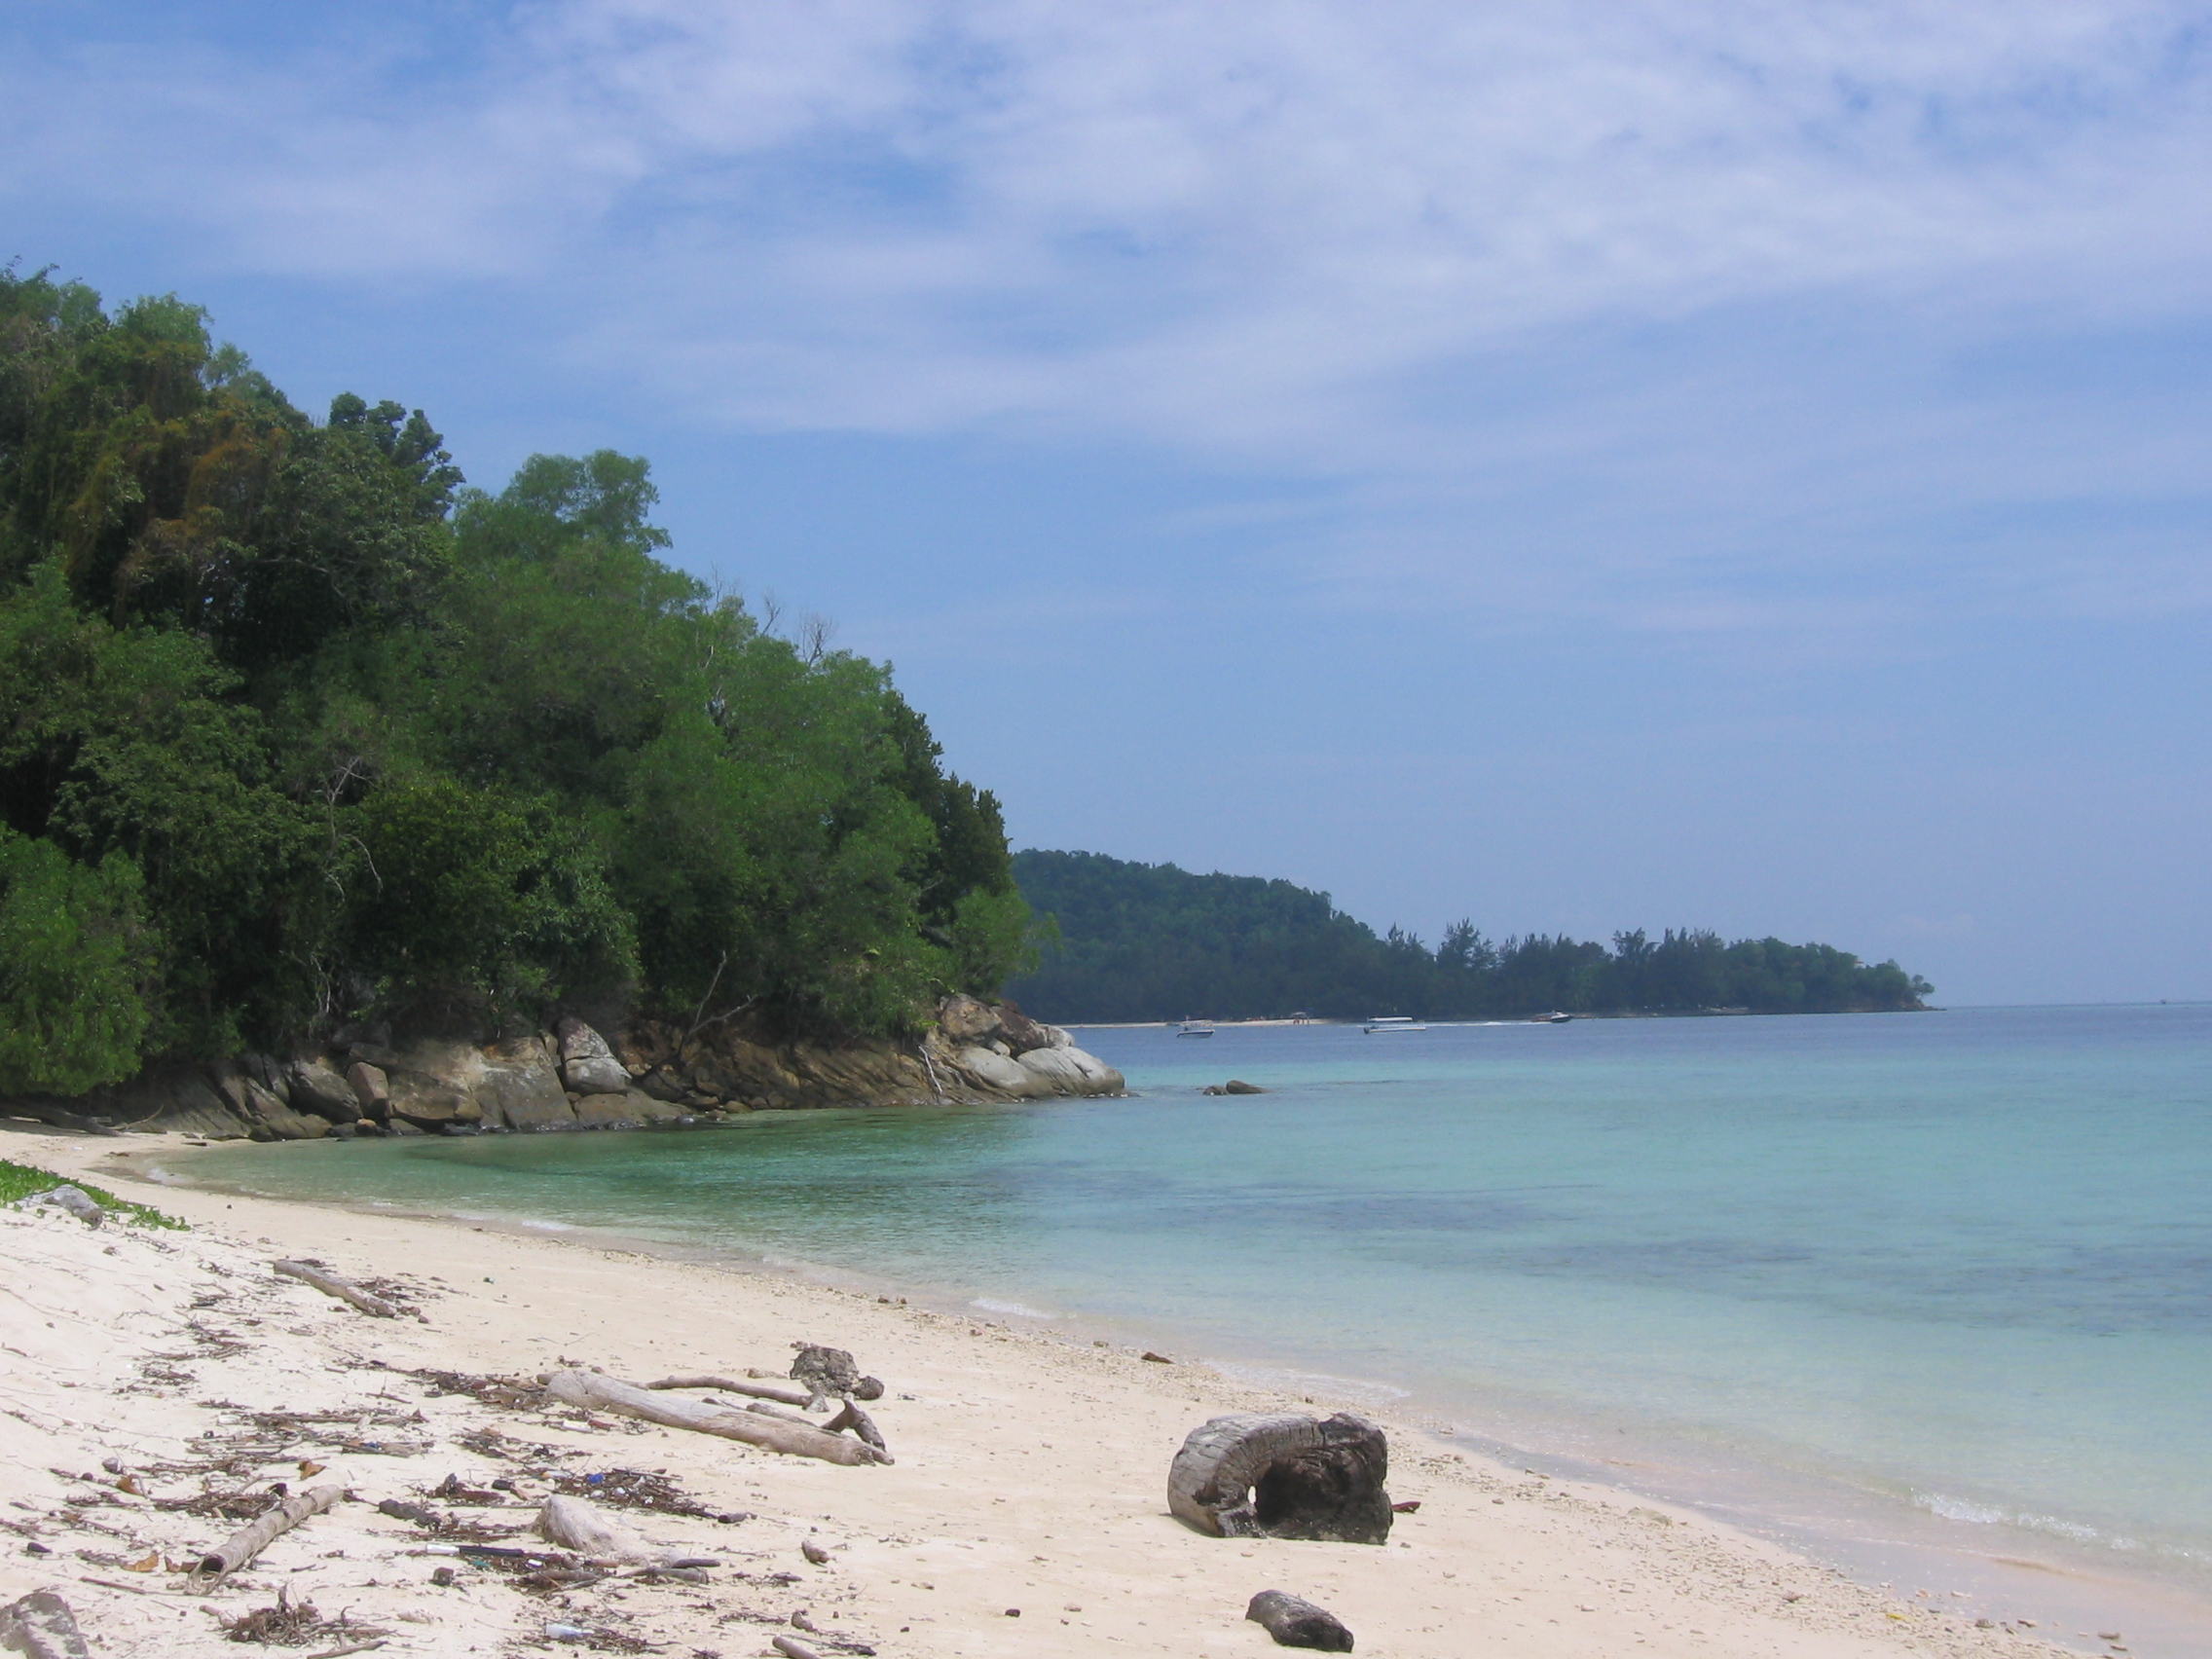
x,y
1024,1516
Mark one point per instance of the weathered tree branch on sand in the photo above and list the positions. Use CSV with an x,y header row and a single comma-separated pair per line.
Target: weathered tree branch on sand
x,y
345,1290
860,1422
41,1626
249,1541
792,1649
1297,1623
730,1385
1250,1475
594,1392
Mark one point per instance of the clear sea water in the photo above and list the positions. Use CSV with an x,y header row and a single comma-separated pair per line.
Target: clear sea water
x,y
1927,1295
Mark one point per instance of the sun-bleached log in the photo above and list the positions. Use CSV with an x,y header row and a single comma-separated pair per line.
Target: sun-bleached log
x,y
249,1541
345,1290
595,1393
732,1386
576,1525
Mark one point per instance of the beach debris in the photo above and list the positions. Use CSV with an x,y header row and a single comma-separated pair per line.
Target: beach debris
x,y
814,1552
831,1374
295,1624
249,1541
596,1392
41,1626
792,1649
1411,1506
422,1514
753,1390
1295,1622
1157,1358
70,1201
861,1424
344,1290
576,1525
1284,1476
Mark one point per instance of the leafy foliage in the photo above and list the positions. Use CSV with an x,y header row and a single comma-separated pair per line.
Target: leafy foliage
x,y
1151,941
24,1181
379,746
74,959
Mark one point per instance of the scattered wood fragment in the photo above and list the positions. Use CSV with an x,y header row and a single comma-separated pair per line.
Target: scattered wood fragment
x,y
345,1290
793,1648
732,1386
814,1552
249,1541
41,1626
1297,1623
345,1648
594,1392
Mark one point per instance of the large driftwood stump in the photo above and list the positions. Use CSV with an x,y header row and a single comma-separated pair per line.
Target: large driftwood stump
x,y
594,1392
1249,1475
1297,1623
41,1626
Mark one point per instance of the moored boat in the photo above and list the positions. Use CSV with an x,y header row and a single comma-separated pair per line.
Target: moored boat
x,y
1383,1024
1194,1028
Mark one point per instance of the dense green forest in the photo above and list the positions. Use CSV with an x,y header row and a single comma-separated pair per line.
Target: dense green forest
x,y
1151,941
296,730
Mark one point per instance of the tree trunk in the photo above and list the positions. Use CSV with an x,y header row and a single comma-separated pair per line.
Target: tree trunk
x,y
594,1392
1248,1475
249,1541
345,1290
730,1385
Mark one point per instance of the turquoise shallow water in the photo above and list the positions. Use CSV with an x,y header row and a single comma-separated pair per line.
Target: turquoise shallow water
x,y
1944,1278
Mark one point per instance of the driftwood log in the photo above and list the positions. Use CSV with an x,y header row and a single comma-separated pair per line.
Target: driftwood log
x,y
792,1649
345,1290
1297,1623
41,1626
576,1525
249,1541
732,1386
1252,1475
861,1424
594,1392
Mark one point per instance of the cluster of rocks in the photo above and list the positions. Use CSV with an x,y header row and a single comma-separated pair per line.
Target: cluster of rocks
x,y
573,1078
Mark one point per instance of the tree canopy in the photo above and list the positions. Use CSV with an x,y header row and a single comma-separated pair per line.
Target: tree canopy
x,y
1151,941
298,730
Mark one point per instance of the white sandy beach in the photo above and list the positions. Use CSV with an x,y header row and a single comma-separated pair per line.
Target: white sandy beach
x,y
1030,1471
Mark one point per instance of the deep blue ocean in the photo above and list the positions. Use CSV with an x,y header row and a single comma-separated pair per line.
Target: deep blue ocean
x,y
1883,1284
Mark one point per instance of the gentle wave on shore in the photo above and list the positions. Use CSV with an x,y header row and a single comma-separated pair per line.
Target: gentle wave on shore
x,y
1939,1280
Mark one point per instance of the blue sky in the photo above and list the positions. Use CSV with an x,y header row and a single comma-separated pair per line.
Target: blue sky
x,y
1710,463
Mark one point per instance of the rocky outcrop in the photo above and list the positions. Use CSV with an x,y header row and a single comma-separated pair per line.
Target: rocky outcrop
x,y
654,1073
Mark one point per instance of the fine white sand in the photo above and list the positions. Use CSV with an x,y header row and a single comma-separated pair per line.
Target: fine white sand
x,y
1030,1471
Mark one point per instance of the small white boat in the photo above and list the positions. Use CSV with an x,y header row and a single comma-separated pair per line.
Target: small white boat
x,y
1383,1024
1194,1028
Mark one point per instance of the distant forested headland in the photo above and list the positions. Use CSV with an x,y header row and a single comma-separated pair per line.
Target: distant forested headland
x,y
296,730
1151,941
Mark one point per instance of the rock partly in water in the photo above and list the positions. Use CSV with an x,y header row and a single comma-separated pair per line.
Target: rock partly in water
x,y
587,1064
316,1088
370,1088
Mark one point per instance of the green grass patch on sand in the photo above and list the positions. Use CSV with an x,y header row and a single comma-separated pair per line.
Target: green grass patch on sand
x,y
23,1181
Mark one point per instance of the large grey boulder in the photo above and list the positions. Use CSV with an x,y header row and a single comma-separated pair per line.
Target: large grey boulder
x,y
370,1088
267,1117
1070,1071
999,1072
587,1064
427,1101
519,1089
964,1021
315,1088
